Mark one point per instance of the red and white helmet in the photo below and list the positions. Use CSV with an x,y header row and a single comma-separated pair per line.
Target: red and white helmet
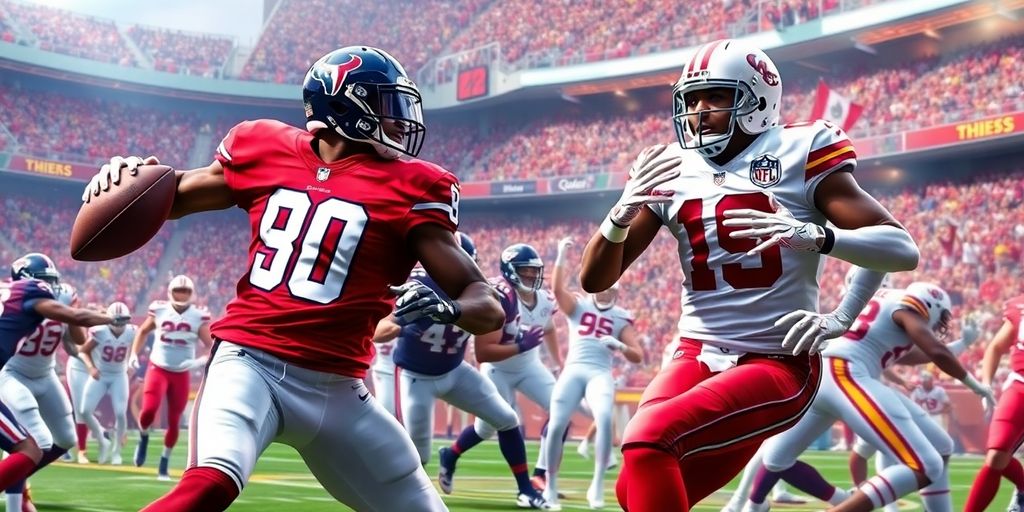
x,y
119,311
732,64
929,299
180,282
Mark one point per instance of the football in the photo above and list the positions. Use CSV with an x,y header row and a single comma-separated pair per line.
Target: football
x,y
125,217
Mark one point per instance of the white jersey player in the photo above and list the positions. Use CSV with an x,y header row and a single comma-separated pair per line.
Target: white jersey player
x,y
523,269
30,388
893,322
179,326
105,355
597,330
933,399
384,383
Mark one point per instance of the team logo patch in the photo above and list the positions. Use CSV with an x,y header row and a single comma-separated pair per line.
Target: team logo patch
x,y
761,67
19,265
765,171
332,76
719,178
322,174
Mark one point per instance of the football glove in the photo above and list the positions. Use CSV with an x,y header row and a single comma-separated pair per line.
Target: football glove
x,y
529,338
611,343
133,362
417,300
969,332
779,227
192,364
808,331
651,169
987,396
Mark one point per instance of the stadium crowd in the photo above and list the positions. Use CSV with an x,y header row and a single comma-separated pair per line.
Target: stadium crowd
x,y
182,52
70,33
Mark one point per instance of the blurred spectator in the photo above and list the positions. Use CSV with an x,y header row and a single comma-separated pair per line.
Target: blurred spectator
x,y
71,33
182,52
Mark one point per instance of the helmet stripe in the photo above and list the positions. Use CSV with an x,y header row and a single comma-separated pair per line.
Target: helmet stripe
x,y
693,60
711,47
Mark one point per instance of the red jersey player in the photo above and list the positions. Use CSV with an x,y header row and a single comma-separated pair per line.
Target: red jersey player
x,y
336,218
734,178
1006,432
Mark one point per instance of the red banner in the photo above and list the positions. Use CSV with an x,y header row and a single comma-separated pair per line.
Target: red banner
x,y
967,131
51,168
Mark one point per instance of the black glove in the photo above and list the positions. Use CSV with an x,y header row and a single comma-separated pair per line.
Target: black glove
x,y
417,300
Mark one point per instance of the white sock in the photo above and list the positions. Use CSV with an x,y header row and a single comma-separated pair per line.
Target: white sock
x,y
838,497
936,496
14,501
167,452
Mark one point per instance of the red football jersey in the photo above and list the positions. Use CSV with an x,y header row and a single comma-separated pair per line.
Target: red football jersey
x,y
327,240
1013,314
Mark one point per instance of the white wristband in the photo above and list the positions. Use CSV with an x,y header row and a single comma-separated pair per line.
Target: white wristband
x,y
973,384
613,233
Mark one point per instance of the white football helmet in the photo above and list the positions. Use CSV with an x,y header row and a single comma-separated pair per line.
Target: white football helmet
x,y
736,65
606,300
121,314
180,282
935,301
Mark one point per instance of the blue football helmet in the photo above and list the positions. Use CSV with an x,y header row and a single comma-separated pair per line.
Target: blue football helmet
x,y
365,95
517,256
467,245
35,265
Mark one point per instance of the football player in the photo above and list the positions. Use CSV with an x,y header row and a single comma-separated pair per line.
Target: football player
x,y
179,326
77,376
105,356
35,416
517,367
894,322
430,361
337,215
1006,432
385,386
748,201
597,330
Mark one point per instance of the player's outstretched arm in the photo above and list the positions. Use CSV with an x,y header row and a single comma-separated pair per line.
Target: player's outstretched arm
x,y
995,350
630,225
634,351
476,302
560,279
199,190
54,310
923,337
387,330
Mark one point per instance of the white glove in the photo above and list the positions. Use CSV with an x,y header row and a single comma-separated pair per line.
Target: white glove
x,y
610,343
65,294
192,364
779,227
650,169
133,362
110,174
988,398
969,332
563,247
808,331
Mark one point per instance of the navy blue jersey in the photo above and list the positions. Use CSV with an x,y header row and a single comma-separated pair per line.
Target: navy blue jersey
x,y
18,317
427,347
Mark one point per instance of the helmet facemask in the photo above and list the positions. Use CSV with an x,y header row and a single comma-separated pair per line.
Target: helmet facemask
x,y
391,120
711,144
943,325
606,299
531,283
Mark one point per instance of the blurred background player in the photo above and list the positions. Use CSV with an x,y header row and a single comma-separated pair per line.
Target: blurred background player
x,y
76,375
35,416
893,323
933,399
385,383
1006,432
430,361
597,330
522,269
178,326
105,354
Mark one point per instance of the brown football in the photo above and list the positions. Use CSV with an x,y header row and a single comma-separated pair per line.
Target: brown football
x,y
124,217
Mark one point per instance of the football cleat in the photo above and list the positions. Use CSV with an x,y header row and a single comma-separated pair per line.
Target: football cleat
x,y
446,472
595,499
162,473
1016,502
82,457
535,501
140,450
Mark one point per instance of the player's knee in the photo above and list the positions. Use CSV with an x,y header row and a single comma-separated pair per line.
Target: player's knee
x,y
483,429
644,428
933,465
30,449
944,445
997,459
775,463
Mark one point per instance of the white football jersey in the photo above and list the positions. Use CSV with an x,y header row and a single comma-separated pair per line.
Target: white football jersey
x,y
874,339
382,362
541,314
110,355
176,334
729,299
35,356
933,401
587,324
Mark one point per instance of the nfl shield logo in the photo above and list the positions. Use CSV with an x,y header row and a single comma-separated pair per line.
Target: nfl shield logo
x,y
719,178
765,171
322,174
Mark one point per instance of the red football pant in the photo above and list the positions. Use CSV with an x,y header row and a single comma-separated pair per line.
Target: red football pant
x,y
1006,432
174,386
705,419
200,490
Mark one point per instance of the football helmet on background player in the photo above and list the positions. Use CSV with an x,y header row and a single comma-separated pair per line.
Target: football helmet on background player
x,y
35,265
517,256
180,282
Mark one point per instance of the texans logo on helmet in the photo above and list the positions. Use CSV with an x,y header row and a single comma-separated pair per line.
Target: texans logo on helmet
x,y
332,76
769,77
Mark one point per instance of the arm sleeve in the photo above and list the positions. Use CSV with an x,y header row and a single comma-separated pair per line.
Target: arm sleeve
x,y
438,205
830,151
36,291
235,153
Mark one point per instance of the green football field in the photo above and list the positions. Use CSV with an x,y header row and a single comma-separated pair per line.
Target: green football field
x,y
281,482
